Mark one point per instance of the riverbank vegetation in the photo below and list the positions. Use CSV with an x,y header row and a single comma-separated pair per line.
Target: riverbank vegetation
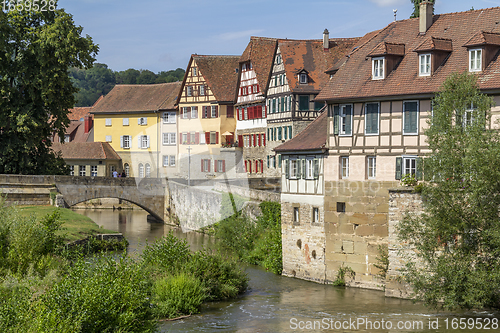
x,y
44,290
256,242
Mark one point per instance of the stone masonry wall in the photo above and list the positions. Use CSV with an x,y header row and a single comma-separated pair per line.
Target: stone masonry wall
x,y
353,236
303,242
401,201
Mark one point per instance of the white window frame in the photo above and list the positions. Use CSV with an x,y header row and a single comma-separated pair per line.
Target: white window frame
x,y
125,121
342,119
315,215
424,64
185,139
378,68
172,160
185,112
219,165
142,121
141,170
109,138
303,78
126,141
371,167
71,170
214,111
148,170
202,90
194,112
108,121
126,167
93,170
309,168
82,172
293,168
409,159
195,73
344,167
144,141
475,65
213,137
169,118
202,138
67,138
165,160
468,117
189,91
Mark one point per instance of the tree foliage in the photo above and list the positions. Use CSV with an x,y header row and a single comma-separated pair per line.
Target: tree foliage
x,y
457,238
36,50
416,7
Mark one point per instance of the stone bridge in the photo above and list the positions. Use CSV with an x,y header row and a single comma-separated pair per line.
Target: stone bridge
x,y
147,193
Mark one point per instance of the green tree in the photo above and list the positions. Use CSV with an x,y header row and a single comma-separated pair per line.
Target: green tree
x,y
416,7
92,83
36,50
146,77
457,238
127,77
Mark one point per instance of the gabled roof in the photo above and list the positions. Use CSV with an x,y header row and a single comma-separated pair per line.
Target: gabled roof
x,y
313,137
220,74
138,97
260,51
86,151
386,48
435,44
309,55
353,80
483,38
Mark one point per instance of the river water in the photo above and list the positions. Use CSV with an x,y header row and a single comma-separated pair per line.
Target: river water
x,y
279,304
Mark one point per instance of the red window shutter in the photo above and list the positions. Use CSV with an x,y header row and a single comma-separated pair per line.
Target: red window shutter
x,y
208,165
207,138
256,166
223,166
240,141
258,88
246,169
264,139
252,112
230,111
202,166
259,111
203,111
215,165
180,138
216,111
261,166
265,111
197,138
216,137
255,140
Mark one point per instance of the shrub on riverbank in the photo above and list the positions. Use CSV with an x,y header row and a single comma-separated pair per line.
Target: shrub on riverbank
x,y
256,242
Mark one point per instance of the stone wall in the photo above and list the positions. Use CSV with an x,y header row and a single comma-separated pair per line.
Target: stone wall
x,y
248,192
401,201
356,224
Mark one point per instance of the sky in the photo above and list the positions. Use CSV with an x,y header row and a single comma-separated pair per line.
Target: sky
x,y
160,35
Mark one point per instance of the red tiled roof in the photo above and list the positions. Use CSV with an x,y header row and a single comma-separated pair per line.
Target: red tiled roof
x,y
313,137
353,80
386,48
309,55
219,72
139,97
483,38
86,151
433,43
260,51
79,112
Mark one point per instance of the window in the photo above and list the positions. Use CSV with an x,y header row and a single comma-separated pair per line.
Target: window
x,y
142,121
220,166
125,121
148,170
185,112
475,60
125,141
184,138
377,68
371,165
202,90
143,141
194,112
303,78
213,138
345,119
278,59
71,170
169,139
169,117
296,215
341,207
127,169
425,64
108,138
172,160
205,165
315,215
214,111
304,103
344,167
371,118
141,170
202,138
82,171
189,91
309,168
192,138
230,111
246,113
293,169
93,170
410,117
195,72
409,165
469,116
165,160
67,138
108,121
240,114
318,106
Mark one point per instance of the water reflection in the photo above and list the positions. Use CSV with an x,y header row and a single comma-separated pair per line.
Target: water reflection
x,y
278,304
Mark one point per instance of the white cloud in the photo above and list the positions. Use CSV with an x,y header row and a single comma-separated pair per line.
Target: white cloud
x,y
238,34
385,3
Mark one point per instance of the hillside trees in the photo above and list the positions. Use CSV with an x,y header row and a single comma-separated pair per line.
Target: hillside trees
x,y
457,238
36,50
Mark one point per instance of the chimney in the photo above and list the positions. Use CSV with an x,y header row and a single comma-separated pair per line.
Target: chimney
x,y
326,40
87,122
426,13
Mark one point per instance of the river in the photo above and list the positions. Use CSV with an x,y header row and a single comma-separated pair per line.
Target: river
x,y
279,304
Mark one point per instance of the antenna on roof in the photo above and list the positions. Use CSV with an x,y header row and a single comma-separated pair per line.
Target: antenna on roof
x,y
395,12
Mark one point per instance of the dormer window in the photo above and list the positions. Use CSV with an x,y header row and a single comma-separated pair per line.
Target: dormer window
x,y
378,68
475,60
425,64
303,78
244,67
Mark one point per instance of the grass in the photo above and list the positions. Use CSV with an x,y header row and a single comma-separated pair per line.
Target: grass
x,y
75,226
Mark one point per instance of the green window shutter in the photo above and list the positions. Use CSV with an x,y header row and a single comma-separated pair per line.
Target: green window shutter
x,y
399,167
279,161
304,103
303,169
316,168
348,119
371,118
336,119
268,161
287,169
410,117
420,167
298,164
289,132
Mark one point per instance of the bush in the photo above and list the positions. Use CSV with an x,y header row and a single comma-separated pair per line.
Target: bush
x,y
177,295
236,235
14,308
168,254
98,296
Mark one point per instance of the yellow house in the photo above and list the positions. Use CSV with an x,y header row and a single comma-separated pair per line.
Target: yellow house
x,y
207,122
129,118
